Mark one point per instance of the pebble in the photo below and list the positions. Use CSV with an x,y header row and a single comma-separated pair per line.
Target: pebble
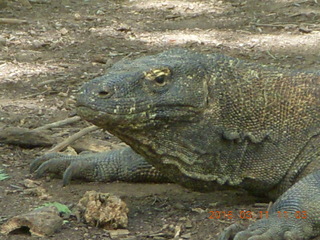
x,y
186,236
3,41
100,12
37,44
129,238
179,206
188,224
77,16
118,232
64,31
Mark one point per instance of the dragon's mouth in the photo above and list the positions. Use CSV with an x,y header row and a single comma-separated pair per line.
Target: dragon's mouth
x,y
88,112
109,120
137,119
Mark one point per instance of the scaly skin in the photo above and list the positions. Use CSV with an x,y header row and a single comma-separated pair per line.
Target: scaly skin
x,y
208,120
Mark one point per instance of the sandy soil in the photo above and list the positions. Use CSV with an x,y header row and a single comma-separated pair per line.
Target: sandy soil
x,y
67,42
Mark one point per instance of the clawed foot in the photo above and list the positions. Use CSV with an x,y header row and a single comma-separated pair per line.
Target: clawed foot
x,y
273,228
68,166
116,165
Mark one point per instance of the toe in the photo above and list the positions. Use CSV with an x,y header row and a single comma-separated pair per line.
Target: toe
x,y
231,231
55,166
35,164
293,235
78,169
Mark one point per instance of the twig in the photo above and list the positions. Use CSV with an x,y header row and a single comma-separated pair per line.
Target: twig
x,y
260,205
301,2
34,94
272,25
48,81
72,138
269,206
269,53
12,21
59,123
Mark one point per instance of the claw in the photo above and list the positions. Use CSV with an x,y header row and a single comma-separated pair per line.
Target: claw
x,y
36,163
55,166
231,231
67,176
41,170
40,160
55,163
68,166
273,228
121,164
77,169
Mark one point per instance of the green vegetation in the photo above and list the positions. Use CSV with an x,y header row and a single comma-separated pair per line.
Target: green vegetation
x,y
61,207
3,175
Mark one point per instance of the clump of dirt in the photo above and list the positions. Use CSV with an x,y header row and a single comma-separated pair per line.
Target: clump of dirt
x,y
103,210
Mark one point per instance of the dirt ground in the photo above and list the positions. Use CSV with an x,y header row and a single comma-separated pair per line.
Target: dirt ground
x,y
65,43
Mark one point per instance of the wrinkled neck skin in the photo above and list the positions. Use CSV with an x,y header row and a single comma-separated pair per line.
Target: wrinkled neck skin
x,y
185,152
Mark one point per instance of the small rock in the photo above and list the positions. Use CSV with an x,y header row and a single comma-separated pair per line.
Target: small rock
x,y
32,32
28,56
186,236
3,41
70,151
177,231
57,25
129,238
64,31
118,233
188,224
36,44
37,191
305,30
62,94
179,206
198,210
31,183
100,12
99,59
40,222
77,16
123,28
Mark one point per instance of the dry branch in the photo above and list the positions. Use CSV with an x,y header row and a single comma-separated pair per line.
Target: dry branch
x,y
273,25
41,137
89,144
72,138
25,137
12,21
59,123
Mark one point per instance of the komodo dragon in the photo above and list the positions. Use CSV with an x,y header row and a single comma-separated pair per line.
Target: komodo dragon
x,y
207,120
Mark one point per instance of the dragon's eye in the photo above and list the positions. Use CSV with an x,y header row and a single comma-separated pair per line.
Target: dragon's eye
x,y
158,76
160,80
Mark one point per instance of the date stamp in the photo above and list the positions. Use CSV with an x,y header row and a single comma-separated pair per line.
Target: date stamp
x,y
255,215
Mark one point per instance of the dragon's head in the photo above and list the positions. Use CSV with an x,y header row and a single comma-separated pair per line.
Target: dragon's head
x,y
148,91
